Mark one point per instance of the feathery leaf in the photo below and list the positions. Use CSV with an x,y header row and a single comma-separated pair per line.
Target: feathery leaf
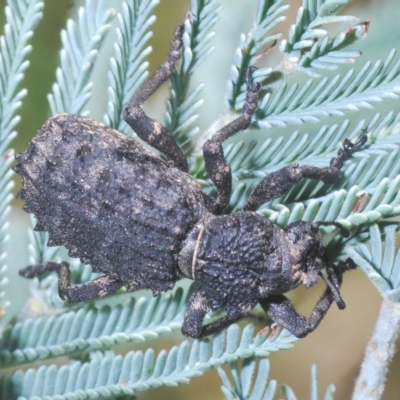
x,y
380,262
81,41
139,371
92,328
247,385
268,16
22,18
291,105
308,44
128,68
183,104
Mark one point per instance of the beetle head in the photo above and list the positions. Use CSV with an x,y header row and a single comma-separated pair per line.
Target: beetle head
x,y
307,248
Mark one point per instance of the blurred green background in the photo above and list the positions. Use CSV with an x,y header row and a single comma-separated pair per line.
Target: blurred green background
x,y
337,346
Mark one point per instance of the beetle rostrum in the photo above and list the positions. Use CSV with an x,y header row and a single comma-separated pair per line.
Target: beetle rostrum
x,y
146,223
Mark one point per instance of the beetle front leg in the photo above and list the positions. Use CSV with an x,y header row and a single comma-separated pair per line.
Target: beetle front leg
x,y
222,323
97,288
281,310
196,310
217,166
279,182
149,130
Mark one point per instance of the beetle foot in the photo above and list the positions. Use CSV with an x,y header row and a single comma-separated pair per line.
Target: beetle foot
x,y
348,149
34,271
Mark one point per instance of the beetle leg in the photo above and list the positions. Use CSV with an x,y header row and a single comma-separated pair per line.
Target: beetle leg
x,y
217,166
149,130
196,310
221,323
97,288
281,310
279,182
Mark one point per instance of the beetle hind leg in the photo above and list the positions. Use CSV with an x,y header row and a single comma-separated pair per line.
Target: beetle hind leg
x,y
97,288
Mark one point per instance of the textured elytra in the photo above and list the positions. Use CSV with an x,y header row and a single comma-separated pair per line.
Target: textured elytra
x,y
108,200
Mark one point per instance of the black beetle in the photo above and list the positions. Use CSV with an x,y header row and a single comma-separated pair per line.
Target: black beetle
x,y
146,223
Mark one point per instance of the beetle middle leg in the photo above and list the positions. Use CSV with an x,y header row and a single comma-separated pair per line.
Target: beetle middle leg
x,y
281,310
217,166
97,288
149,130
279,182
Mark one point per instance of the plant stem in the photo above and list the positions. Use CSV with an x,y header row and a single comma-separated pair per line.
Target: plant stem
x,y
378,354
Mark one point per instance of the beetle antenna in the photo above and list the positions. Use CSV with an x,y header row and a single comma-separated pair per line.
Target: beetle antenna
x,y
335,292
343,231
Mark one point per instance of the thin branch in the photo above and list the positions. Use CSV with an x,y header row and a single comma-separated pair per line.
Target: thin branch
x,y
379,353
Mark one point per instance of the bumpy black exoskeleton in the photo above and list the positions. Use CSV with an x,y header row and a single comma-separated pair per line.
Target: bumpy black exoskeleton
x,y
146,223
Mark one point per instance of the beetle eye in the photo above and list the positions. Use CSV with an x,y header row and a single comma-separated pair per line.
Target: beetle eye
x,y
294,236
314,228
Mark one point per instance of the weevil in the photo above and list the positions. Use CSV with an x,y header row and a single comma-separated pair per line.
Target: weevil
x,y
145,222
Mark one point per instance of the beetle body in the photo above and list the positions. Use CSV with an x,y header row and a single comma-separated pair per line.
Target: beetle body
x,y
128,213
145,222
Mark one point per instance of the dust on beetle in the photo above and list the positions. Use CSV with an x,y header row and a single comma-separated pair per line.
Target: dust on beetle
x,y
145,223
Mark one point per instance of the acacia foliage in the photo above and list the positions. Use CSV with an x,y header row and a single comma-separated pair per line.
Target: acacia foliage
x,y
364,198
